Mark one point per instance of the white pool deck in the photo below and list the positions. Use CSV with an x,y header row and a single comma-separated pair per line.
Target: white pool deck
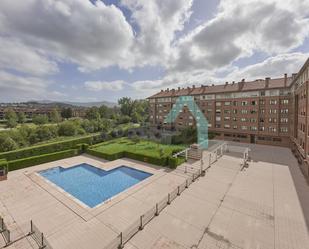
x,y
263,206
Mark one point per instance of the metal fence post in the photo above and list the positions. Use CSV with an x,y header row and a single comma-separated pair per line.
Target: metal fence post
x,y
209,159
42,240
157,209
193,178
186,183
31,227
121,241
1,224
169,199
178,190
141,223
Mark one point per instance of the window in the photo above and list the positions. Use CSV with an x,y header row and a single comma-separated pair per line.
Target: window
x,y
234,119
253,128
243,103
262,102
272,102
262,128
262,111
253,102
273,111
284,120
218,119
243,128
218,111
227,111
227,126
218,103
272,129
227,103
227,118
243,120
284,129
235,111
284,101
272,120
244,111
284,111
252,120
234,127
253,111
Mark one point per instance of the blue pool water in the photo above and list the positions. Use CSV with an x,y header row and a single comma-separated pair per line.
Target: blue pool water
x,y
92,185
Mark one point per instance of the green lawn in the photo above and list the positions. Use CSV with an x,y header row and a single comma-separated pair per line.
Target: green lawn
x,y
143,147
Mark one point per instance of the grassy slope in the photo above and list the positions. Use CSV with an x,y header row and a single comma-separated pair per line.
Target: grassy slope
x,y
143,147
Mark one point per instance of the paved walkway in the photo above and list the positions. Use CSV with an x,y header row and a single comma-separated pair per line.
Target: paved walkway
x,y
228,208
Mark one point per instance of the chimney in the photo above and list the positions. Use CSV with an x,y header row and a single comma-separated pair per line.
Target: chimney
x,y
233,82
167,89
285,79
241,84
161,90
188,88
213,84
294,75
193,86
267,82
179,88
226,83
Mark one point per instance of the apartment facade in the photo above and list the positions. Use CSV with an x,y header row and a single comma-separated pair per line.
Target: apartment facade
x,y
264,111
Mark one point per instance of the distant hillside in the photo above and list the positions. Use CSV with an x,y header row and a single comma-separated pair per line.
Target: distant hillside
x,y
83,104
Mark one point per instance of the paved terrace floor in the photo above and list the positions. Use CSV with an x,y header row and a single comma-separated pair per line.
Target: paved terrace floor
x,y
67,223
260,207
257,208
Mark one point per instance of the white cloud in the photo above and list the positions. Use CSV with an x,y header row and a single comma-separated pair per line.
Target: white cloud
x,y
274,66
92,36
17,88
239,30
17,56
158,21
104,85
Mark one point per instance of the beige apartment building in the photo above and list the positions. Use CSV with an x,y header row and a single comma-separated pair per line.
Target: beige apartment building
x,y
264,111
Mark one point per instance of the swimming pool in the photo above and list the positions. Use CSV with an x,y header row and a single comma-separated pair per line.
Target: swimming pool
x,y
92,185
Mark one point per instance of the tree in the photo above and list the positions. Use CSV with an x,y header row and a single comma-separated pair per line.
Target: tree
x,y
67,112
126,106
40,119
21,117
67,128
46,132
55,116
105,111
7,143
11,118
93,113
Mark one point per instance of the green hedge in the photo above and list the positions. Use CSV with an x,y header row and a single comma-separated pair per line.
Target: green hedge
x,y
162,161
3,163
106,156
173,162
31,161
48,148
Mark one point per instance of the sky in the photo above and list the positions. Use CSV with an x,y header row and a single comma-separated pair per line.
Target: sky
x,y
102,50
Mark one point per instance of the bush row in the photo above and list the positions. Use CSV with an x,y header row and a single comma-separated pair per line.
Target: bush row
x,y
34,160
48,148
161,161
3,163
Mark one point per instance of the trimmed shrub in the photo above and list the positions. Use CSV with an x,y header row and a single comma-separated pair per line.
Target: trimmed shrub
x,y
106,156
31,161
3,163
162,161
173,162
46,148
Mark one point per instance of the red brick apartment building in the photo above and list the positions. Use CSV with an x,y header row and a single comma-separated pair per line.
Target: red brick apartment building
x,y
264,111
